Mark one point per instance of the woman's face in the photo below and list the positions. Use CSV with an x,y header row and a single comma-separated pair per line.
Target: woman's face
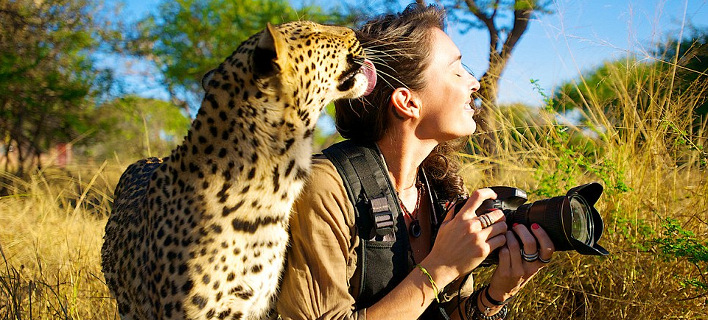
x,y
446,112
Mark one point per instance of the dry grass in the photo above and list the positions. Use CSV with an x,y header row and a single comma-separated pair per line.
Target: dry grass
x,y
51,232
653,166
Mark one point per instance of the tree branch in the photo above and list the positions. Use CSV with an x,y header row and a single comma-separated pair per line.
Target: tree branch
x,y
488,22
496,7
177,101
521,23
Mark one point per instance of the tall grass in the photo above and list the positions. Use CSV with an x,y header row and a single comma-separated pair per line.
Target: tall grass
x,y
647,152
51,229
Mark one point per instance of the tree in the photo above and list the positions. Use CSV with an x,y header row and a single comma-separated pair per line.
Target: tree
x,y
506,22
133,127
605,87
631,100
678,71
187,38
691,57
47,76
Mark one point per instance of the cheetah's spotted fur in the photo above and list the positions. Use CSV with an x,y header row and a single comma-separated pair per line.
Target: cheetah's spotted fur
x,y
202,233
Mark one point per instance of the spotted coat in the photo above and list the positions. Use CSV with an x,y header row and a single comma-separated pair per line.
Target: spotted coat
x,y
202,233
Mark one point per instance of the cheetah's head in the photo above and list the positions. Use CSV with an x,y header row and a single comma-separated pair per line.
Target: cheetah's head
x,y
312,57
303,66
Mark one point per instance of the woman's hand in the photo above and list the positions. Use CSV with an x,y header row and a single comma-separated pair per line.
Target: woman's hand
x,y
513,271
462,244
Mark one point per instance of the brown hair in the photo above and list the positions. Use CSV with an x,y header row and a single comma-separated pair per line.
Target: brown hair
x,y
399,45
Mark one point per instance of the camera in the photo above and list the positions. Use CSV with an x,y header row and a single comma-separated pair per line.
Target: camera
x,y
571,221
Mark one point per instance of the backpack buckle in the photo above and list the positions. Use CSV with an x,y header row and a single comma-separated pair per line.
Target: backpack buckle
x,y
383,217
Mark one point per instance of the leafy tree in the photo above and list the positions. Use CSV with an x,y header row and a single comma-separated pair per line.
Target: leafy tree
x,y
187,38
679,72
506,21
691,56
606,86
46,74
133,127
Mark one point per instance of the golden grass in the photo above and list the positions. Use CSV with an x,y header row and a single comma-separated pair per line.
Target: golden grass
x,y
51,232
646,142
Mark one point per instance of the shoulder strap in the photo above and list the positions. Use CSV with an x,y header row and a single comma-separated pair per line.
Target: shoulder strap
x,y
364,175
365,178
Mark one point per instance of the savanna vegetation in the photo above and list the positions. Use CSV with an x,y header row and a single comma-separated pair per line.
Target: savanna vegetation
x,y
638,126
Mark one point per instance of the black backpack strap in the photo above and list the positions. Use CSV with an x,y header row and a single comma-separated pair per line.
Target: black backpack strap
x,y
383,259
367,186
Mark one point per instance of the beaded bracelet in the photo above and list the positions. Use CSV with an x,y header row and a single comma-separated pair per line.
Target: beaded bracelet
x,y
432,282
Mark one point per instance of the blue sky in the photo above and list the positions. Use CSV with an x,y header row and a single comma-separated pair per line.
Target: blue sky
x,y
580,36
577,37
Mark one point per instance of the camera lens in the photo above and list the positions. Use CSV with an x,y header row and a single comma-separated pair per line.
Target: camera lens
x,y
582,224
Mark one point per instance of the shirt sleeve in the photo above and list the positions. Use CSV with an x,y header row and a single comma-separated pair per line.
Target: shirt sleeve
x,y
321,259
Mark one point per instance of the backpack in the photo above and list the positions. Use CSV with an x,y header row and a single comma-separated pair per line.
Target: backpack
x,y
383,253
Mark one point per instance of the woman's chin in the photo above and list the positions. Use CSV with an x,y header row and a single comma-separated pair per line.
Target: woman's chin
x,y
473,128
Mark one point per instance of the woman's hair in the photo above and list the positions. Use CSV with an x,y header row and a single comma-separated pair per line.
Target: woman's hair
x,y
400,46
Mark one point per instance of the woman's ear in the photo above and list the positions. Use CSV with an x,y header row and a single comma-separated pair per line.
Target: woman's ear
x,y
404,104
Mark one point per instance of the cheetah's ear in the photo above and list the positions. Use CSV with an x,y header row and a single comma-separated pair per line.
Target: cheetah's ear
x,y
269,53
207,77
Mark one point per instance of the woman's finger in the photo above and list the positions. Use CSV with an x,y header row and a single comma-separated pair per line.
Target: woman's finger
x,y
475,200
497,227
528,241
545,245
517,264
504,258
497,238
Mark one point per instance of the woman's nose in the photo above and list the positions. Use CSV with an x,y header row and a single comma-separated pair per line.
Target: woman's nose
x,y
474,84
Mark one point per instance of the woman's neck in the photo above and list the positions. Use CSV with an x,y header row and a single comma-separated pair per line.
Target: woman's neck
x,y
403,155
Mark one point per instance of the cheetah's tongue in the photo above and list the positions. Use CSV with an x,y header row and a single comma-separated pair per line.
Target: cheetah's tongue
x,y
368,69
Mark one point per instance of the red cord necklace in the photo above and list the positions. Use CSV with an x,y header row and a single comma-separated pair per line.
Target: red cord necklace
x,y
414,229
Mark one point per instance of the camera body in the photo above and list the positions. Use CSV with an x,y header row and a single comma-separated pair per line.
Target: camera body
x,y
571,221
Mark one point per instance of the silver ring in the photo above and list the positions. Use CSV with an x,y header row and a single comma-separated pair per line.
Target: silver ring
x,y
485,220
543,260
529,257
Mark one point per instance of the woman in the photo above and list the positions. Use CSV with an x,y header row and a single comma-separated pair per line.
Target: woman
x,y
420,106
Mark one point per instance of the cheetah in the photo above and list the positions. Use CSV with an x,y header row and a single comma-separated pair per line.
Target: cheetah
x,y
202,233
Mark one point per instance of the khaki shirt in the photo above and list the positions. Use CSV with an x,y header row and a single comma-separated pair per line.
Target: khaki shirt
x,y
322,258
320,275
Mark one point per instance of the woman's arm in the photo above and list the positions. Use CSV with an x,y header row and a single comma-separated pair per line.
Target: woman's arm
x,y
321,257
460,246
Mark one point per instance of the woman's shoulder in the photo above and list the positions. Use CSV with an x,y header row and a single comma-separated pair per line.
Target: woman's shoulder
x,y
324,176
324,183
324,197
